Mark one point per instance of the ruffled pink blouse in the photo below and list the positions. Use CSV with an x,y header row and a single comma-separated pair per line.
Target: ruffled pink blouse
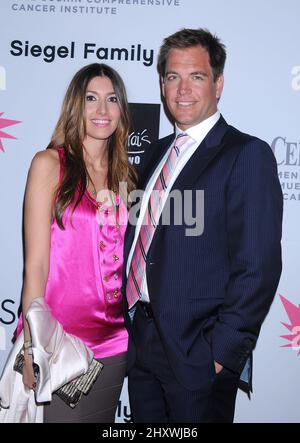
x,y
85,275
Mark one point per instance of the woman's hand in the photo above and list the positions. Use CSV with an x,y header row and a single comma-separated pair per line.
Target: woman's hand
x,y
29,379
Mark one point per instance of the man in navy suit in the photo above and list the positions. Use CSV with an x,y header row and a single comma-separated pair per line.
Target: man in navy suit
x,y
195,301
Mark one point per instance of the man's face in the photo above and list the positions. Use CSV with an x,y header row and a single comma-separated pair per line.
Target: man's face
x,y
188,86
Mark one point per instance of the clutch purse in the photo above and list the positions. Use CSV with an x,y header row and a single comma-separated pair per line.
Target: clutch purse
x,y
71,392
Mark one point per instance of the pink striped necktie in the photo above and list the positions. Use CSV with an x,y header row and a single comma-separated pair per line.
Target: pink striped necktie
x,y
152,214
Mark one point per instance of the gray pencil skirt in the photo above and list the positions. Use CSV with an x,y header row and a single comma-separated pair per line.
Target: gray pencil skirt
x,y
100,405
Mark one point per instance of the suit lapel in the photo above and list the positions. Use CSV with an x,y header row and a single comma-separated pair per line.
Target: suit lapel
x,y
204,154
158,150
202,157
208,149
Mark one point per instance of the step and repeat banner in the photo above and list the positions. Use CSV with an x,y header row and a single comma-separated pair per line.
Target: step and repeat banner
x,y
44,42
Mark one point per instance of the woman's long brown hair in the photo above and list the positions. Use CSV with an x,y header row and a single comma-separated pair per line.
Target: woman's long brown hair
x,y
70,132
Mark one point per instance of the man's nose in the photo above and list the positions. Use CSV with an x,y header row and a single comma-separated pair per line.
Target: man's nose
x,y
184,87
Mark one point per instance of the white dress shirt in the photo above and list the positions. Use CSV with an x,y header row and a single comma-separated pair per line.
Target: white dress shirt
x,y
197,134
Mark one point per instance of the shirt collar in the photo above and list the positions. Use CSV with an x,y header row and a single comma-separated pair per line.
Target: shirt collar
x,y
199,131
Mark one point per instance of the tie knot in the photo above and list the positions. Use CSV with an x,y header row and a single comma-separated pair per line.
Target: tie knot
x,y
181,139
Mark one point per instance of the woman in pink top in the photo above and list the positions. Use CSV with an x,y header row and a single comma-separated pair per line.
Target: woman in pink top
x,y
75,220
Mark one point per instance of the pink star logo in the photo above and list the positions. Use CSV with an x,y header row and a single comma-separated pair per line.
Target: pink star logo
x,y
293,313
3,124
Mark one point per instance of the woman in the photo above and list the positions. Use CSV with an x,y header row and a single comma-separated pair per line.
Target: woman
x,y
75,221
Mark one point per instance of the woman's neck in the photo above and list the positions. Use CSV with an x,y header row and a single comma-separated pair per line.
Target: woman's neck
x,y
95,154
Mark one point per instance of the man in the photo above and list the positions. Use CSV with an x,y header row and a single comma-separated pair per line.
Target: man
x,y
195,303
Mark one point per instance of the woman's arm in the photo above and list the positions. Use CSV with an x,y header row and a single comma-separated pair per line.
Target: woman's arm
x,y
42,181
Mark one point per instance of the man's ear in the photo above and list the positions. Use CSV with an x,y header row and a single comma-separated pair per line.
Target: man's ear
x,y
219,86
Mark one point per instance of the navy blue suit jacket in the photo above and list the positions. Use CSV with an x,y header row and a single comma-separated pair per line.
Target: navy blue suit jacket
x,y
211,293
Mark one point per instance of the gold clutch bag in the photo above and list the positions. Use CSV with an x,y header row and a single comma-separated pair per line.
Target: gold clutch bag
x,y
71,392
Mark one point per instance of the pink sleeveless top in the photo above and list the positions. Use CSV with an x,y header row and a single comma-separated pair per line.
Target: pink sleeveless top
x,y
85,275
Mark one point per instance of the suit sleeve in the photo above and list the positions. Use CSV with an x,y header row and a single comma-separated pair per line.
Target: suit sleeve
x,y
254,219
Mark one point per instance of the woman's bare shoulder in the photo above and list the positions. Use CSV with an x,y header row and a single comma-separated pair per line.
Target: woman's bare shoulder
x,y
45,163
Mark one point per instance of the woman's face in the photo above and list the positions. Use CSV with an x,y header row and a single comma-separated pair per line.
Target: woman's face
x,y
102,111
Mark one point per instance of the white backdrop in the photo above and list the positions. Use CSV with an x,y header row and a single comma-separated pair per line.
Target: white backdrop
x,y
261,96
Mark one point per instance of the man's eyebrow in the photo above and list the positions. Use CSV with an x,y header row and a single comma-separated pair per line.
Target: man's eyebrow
x,y
204,74
171,72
